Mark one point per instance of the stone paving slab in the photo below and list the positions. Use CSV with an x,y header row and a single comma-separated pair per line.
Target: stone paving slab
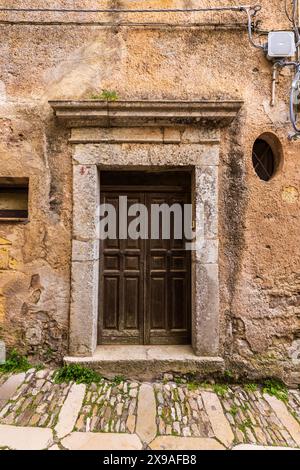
x,y
220,425
20,438
10,386
70,410
101,441
146,427
184,443
4,377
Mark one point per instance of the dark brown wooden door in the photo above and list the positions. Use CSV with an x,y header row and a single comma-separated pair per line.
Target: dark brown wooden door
x,y
145,285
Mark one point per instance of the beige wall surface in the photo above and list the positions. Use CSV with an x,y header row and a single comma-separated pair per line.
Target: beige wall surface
x,y
259,221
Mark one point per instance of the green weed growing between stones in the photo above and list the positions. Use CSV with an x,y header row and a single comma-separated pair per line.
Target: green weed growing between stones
x,y
229,376
118,379
15,363
220,389
193,386
250,387
276,389
245,424
233,411
76,373
180,381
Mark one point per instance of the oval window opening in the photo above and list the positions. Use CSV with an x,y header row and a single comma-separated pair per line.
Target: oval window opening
x,y
263,159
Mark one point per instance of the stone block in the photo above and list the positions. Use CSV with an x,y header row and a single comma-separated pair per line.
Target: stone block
x,y
10,386
171,135
219,423
85,250
200,135
146,427
70,410
206,193
84,307
205,321
118,135
207,251
114,155
86,194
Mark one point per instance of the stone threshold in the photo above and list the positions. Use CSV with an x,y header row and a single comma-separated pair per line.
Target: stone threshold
x,y
147,362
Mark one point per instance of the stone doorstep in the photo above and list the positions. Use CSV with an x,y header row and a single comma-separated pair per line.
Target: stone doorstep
x,y
147,362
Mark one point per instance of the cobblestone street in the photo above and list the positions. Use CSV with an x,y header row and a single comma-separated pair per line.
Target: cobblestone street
x,y
122,414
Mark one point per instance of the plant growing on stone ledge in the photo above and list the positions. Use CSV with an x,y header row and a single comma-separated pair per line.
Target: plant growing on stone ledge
x,y
76,373
106,95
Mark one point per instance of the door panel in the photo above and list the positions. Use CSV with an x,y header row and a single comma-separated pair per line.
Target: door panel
x,y
110,301
145,284
169,262
121,298
157,294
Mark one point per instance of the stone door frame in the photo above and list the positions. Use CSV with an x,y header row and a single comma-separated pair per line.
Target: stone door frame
x,y
141,135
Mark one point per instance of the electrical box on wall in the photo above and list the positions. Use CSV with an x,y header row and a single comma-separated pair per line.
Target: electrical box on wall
x,y
281,44
13,199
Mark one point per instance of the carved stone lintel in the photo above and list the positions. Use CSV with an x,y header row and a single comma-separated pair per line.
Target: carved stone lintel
x,y
86,113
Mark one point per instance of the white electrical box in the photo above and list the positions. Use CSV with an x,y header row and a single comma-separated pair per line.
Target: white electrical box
x,y
281,44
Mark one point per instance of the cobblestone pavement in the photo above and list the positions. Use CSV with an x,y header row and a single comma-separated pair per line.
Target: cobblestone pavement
x,y
123,414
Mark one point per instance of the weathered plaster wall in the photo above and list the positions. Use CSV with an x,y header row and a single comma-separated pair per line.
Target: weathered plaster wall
x,y
259,222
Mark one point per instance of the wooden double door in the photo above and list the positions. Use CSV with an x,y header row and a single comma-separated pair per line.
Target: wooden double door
x,y
145,284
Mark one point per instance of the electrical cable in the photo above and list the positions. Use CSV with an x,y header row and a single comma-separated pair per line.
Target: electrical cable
x,y
103,24
251,12
295,92
295,88
117,11
295,21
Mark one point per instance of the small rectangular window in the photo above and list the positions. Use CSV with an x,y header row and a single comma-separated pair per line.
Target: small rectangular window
x,y
13,199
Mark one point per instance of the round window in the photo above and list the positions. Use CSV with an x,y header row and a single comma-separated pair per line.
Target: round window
x,y
263,159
